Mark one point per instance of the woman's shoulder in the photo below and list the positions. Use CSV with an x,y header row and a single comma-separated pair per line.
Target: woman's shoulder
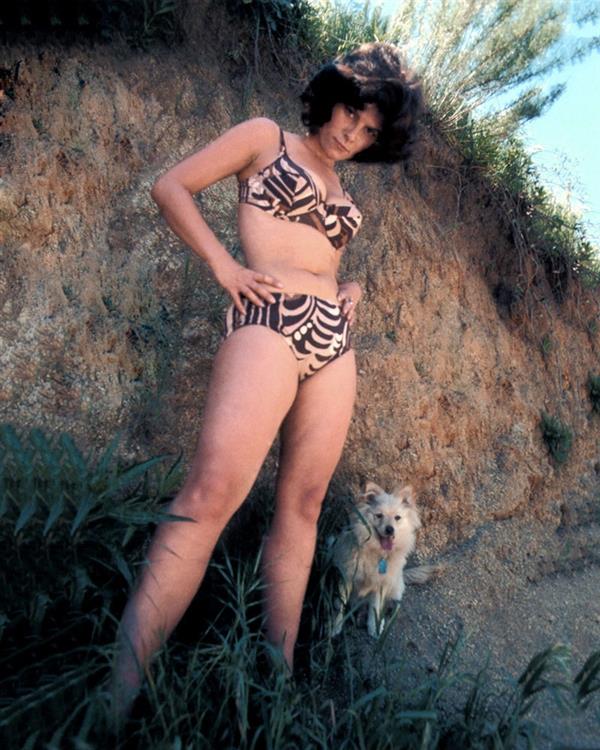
x,y
262,128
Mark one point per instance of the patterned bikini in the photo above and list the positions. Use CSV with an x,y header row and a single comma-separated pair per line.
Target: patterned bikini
x,y
314,328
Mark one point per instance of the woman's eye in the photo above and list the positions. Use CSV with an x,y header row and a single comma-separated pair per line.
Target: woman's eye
x,y
372,133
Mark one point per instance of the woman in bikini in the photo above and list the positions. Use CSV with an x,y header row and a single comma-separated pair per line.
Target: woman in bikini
x,y
285,362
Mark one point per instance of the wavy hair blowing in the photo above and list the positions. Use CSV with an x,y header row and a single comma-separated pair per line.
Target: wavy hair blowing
x,y
372,73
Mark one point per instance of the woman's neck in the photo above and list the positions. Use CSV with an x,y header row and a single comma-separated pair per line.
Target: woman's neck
x,y
313,144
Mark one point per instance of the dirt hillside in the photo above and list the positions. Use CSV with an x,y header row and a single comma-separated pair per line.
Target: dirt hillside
x,y
107,323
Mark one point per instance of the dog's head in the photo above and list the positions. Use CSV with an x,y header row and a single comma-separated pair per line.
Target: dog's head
x,y
391,516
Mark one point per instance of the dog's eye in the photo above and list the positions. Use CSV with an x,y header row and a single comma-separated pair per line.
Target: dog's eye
x,y
379,515
397,518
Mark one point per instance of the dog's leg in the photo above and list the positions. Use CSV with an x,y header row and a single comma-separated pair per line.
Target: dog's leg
x,y
376,621
398,590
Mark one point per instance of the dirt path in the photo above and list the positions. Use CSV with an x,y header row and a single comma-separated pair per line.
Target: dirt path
x,y
507,619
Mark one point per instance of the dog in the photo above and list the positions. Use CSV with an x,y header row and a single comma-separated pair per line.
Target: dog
x,y
372,553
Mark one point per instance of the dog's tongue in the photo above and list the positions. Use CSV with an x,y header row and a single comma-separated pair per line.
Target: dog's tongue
x,y
386,542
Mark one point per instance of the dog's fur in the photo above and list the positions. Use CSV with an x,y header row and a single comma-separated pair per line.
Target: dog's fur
x,y
384,530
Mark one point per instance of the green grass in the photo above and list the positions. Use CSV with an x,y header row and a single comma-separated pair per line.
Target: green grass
x,y
594,391
75,526
557,436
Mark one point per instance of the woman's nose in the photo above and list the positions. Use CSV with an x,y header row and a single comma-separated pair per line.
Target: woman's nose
x,y
350,133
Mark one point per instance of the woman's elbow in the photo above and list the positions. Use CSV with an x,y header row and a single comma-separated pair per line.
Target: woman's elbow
x,y
166,189
158,189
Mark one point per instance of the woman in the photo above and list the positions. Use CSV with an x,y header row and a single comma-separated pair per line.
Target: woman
x,y
286,360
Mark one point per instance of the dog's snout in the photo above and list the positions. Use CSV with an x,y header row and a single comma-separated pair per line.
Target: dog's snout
x,y
389,530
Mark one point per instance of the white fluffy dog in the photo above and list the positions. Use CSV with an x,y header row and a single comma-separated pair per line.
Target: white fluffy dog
x,y
372,553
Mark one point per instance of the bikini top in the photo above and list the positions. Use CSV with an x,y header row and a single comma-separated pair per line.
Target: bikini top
x,y
286,190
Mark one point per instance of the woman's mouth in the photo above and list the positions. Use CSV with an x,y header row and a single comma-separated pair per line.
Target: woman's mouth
x,y
341,146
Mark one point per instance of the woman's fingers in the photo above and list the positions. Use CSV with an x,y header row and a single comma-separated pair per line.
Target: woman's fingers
x,y
251,294
260,286
348,305
263,292
238,302
270,280
256,287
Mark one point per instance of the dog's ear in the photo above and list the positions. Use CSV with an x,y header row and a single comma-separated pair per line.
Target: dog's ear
x,y
371,492
373,489
406,495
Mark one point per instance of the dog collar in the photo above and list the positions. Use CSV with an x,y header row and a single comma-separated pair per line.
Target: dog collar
x,y
382,566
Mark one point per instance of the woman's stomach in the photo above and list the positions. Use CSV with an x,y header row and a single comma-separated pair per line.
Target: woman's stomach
x,y
297,255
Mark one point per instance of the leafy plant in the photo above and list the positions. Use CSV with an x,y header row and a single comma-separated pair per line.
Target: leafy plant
x,y
594,391
275,26
69,519
557,436
546,344
487,722
587,681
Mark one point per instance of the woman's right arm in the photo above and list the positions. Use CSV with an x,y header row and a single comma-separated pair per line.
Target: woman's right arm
x,y
173,191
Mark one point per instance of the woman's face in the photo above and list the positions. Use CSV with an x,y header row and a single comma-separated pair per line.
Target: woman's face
x,y
350,130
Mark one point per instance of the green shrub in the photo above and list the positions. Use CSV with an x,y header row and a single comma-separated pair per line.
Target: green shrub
x,y
69,520
546,344
557,436
594,391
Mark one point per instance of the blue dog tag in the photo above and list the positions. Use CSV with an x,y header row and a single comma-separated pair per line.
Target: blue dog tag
x,y
382,567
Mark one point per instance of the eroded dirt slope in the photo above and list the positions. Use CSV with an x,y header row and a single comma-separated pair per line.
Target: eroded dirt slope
x,y
107,322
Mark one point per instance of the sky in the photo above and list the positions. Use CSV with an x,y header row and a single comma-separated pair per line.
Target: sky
x,y
565,140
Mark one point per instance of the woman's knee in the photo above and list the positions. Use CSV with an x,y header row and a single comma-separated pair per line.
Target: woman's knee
x,y
213,498
307,503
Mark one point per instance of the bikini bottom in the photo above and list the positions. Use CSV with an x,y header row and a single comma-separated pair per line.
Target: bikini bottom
x,y
313,328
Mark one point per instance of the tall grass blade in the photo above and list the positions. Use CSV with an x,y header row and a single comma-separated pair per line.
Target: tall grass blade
x,y
86,505
76,459
104,465
132,474
587,681
11,440
56,510
26,514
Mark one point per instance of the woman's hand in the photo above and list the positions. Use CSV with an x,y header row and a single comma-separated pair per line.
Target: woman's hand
x,y
349,293
238,281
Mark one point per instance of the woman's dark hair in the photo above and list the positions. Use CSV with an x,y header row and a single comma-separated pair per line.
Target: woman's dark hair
x,y
376,73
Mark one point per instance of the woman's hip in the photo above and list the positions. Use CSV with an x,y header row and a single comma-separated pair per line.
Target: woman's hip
x,y
314,328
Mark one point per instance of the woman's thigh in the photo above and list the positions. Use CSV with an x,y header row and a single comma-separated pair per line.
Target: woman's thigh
x,y
253,384
315,428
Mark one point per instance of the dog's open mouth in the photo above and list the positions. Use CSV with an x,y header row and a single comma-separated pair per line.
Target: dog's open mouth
x,y
387,542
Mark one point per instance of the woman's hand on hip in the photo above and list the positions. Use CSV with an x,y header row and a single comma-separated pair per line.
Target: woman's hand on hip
x,y
349,294
239,281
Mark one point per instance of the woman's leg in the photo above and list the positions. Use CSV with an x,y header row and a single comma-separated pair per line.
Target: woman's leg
x,y
312,439
253,384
